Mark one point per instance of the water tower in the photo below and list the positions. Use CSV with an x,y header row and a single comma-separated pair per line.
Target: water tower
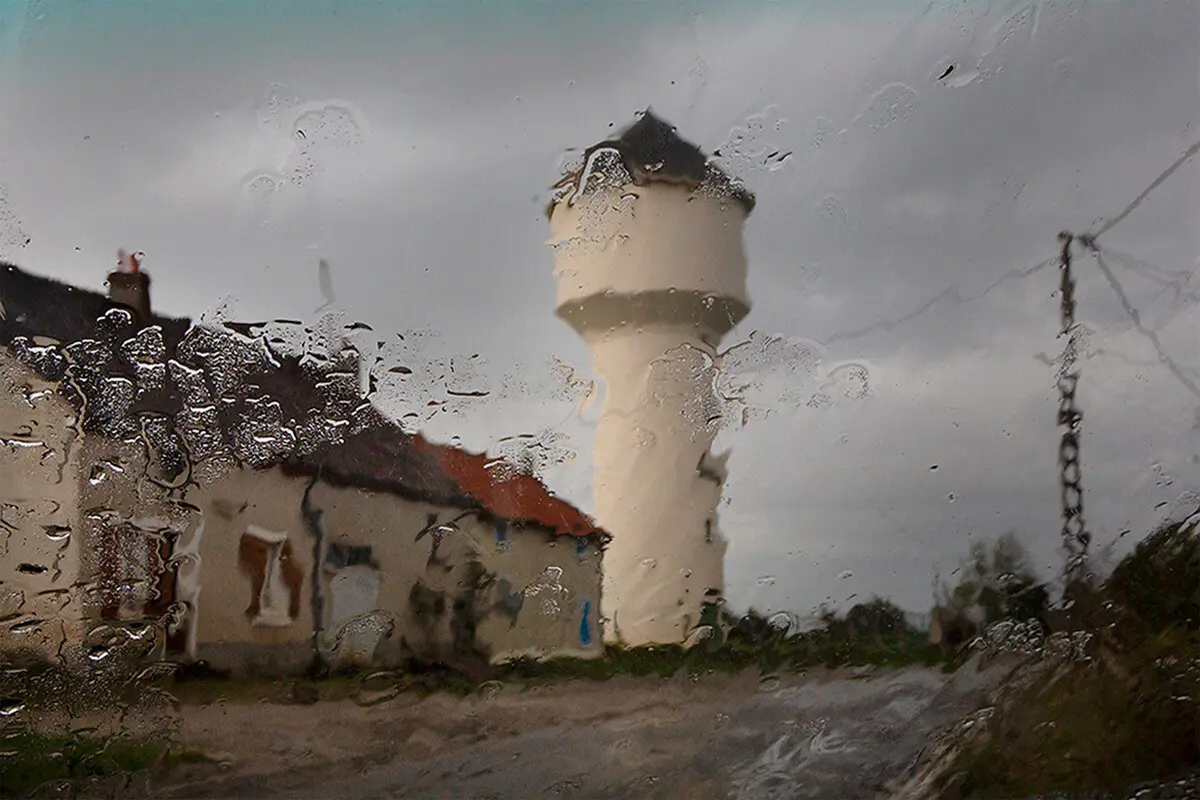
x,y
651,271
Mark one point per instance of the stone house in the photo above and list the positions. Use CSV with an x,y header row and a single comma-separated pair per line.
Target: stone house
x,y
201,488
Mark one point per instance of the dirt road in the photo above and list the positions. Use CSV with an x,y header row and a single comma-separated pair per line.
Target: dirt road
x,y
824,735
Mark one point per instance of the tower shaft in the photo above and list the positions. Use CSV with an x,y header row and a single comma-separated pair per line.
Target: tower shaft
x,y
654,490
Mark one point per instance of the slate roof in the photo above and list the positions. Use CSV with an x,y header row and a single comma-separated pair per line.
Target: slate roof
x,y
38,306
653,152
221,392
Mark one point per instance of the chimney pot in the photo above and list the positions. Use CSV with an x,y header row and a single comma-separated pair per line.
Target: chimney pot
x,y
129,286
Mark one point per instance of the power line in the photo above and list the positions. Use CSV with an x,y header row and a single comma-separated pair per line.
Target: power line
x,y
1159,276
1137,201
950,292
1175,282
1089,241
1135,317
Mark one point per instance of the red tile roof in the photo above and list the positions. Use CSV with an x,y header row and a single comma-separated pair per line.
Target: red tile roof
x,y
506,492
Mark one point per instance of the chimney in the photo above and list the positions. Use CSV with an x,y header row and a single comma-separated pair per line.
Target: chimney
x,y
129,286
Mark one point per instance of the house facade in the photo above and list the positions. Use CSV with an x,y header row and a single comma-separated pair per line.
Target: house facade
x,y
39,503
251,508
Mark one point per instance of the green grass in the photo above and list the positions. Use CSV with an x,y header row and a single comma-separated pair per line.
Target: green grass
x,y
361,687
29,760
207,691
776,653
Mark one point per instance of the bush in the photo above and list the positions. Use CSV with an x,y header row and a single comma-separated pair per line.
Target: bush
x,y
876,619
1158,584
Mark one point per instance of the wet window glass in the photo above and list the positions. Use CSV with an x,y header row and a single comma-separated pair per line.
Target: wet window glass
x,y
600,399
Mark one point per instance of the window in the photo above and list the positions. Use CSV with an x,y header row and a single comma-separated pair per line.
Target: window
x,y
275,577
136,575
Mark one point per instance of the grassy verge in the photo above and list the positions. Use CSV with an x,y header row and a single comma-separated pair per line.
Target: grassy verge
x,y
206,691
760,648
29,760
776,653
366,688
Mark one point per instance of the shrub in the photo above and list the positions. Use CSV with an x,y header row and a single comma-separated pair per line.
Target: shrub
x,y
1158,584
1125,716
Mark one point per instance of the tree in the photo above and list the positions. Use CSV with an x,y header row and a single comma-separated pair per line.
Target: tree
x,y
998,581
877,618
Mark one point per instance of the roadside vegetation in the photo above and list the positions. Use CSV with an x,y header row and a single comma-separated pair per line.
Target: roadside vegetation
x,y
872,634
1120,706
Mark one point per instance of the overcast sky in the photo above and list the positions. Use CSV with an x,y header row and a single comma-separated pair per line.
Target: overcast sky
x,y
898,239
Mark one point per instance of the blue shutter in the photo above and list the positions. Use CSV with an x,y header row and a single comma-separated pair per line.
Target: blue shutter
x,y
585,632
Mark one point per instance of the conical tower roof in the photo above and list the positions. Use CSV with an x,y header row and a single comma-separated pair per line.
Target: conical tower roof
x,y
653,152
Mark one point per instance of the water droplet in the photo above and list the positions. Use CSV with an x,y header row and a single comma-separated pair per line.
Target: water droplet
x,y
891,104
490,689
378,687
957,78
57,533
10,706
783,621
